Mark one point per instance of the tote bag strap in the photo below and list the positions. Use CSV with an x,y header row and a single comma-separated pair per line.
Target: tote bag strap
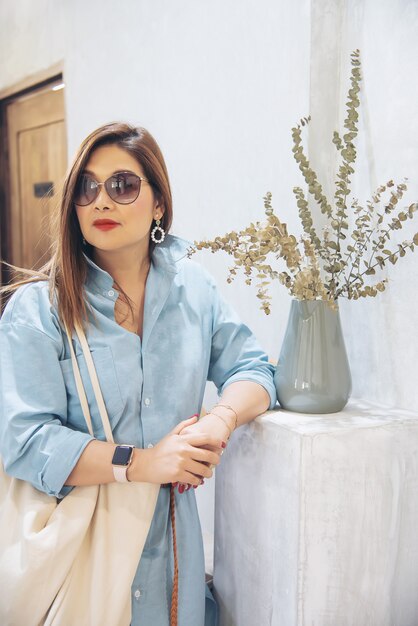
x,y
108,431
94,381
79,384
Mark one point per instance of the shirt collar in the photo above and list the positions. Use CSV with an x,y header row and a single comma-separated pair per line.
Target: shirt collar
x,y
165,257
168,253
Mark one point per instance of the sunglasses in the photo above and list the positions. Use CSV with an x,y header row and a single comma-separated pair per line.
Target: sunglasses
x,y
122,187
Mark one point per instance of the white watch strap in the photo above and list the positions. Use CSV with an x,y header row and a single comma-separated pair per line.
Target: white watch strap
x,y
119,472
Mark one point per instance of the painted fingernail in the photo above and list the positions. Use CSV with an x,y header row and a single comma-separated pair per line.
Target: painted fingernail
x,y
181,488
223,444
175,484
195,486
202,482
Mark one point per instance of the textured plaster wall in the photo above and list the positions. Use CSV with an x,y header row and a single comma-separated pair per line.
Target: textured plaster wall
x,y
31,37
382,333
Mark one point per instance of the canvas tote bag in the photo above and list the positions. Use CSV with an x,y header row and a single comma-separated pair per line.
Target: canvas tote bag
x,y
73,561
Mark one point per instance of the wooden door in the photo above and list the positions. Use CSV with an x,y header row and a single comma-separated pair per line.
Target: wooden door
x,y
37,164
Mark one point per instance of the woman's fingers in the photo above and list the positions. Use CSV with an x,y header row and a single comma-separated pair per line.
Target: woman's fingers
x,y
218,449
188,478
202,461
182,487
178,458
193,472
200,470
179,427
202,439
198,467
207,457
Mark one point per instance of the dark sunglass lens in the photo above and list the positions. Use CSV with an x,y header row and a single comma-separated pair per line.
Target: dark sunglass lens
x,y
85,191
123,188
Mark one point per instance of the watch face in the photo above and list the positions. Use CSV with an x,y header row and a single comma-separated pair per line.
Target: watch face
x,y
122,455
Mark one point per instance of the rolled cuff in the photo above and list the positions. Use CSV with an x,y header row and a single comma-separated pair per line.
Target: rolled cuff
x,y
61,463
255,377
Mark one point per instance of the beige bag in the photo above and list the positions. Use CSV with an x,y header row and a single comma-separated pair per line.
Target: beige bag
x,y
73,562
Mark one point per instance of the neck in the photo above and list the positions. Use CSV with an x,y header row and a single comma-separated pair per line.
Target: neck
x,y
125,266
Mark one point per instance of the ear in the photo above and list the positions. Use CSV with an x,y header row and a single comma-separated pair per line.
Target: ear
x,y
159,211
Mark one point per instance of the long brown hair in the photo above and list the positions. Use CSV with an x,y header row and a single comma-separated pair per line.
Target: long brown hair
x,y
67,268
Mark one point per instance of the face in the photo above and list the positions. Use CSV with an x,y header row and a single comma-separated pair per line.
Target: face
x,y
107,225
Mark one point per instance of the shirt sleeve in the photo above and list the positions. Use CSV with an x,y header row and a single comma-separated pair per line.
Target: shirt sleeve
x,y
235,352
35,443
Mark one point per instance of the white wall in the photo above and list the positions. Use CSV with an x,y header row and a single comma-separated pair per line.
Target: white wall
x,y
31,38
220,84
382,333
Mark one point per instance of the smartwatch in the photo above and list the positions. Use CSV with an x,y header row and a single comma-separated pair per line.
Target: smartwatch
x,y
122,458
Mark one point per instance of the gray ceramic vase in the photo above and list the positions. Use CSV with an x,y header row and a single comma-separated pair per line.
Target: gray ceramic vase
x,y
313,374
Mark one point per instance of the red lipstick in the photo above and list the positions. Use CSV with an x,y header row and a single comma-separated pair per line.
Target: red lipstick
x,y
105,224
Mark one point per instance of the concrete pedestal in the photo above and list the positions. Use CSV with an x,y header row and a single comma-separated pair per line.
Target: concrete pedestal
x,y
316,520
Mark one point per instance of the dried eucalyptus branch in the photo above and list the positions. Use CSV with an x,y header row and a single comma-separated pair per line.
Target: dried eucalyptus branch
x,y
308,173
353,246
348,154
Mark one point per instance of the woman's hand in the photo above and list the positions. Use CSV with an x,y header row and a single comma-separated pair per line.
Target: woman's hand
x,y
209,425
178,458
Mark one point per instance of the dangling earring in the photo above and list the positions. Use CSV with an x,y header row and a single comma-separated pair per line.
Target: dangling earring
x,y
84,242
161,233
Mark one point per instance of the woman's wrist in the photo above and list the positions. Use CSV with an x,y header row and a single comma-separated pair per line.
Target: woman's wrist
x,y
226,414
222,419
209,420
229,410
137,470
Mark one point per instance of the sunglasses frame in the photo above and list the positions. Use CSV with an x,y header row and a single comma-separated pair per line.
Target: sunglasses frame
x,y
140,178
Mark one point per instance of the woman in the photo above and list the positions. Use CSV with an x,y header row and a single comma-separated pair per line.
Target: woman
x,y
158,330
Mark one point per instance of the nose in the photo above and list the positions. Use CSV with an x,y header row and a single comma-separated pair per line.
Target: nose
x,y
103,201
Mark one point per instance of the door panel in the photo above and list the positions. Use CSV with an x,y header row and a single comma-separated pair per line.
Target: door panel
x,y
41,165
37,158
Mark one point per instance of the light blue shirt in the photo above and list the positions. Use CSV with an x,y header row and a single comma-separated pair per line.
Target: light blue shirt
x,y
190,336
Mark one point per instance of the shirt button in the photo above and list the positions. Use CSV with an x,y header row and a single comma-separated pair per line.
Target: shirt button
x,y
150,445
147,401
137,593
111,293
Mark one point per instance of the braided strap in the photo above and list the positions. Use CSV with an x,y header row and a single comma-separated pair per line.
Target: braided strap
x,y
175,592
